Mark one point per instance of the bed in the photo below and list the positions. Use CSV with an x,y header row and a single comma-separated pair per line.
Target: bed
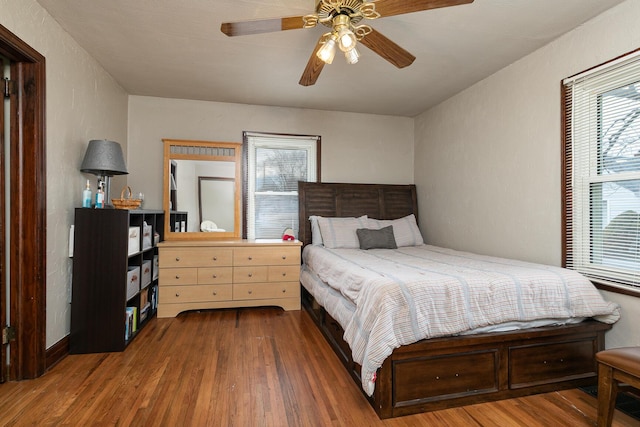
x,y
447,369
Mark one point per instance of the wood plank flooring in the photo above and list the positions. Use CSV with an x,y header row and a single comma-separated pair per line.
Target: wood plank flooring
x,y
248,367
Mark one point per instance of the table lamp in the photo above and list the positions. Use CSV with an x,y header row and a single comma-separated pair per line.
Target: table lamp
x,y
104,159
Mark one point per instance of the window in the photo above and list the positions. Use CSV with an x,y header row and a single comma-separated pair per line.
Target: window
x,y
274,164
602,172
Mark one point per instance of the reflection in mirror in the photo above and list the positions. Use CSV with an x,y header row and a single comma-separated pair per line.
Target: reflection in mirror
x,y
202,189
214,195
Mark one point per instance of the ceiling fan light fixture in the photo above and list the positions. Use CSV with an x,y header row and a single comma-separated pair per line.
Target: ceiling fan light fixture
x,y
346,38
328,50
352,56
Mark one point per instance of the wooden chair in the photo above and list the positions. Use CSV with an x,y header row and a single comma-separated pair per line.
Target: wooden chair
x,y
616,366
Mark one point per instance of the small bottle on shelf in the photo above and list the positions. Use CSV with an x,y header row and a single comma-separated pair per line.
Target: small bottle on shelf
x,y
86,196
100,197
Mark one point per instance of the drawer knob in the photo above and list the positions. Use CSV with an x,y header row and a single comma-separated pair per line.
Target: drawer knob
x,y
250,258
284,257
177,277
250,274
284,291
177,259
284,274
215,258
250,292
215,293
177,294
214,276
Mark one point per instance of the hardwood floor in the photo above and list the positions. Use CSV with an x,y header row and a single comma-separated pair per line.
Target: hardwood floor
x,y
248,367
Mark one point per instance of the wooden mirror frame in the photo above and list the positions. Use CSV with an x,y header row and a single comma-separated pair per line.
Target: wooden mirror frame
x,y
232,153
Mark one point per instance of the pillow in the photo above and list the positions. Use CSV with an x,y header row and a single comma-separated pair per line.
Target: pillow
x,y
405,230
377,239
316,236
341,232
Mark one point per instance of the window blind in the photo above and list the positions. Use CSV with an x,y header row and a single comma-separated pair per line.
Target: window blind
x,y
275,164
602,172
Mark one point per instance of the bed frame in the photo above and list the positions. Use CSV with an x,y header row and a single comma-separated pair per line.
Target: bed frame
x,y
442,373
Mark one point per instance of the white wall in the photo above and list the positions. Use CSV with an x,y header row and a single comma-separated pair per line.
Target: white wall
x,y
355,147
82,102
487,163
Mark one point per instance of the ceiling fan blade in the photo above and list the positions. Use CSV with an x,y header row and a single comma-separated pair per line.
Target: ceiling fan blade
x,y
388,49
314,67
259,26
399,7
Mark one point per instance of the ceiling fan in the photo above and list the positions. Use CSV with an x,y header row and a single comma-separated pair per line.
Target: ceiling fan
x,y
342,18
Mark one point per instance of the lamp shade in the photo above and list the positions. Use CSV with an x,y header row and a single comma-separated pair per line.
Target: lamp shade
x,y
104,158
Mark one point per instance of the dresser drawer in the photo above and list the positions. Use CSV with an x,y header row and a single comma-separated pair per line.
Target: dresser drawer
x,y
254,274
283,273
195,257
199,293
215,275
178,276
266,255
245,291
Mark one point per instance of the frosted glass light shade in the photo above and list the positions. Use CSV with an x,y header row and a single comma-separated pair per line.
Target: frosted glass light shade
x,y
328,51
352,56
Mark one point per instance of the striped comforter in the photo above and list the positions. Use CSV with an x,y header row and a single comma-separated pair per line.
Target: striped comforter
x,y
404,295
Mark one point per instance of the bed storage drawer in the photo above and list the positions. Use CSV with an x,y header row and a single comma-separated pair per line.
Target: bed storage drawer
x,y
447,376
544,363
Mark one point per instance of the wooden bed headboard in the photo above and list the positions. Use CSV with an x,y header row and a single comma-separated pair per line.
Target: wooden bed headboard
x,y
380,201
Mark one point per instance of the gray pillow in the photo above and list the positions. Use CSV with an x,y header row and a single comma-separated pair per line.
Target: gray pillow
x,y
382,238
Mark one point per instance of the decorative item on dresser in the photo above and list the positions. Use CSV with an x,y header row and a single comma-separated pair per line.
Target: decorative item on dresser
x,y
114,276
200,274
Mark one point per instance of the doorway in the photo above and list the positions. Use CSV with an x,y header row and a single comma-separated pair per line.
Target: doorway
x,y
26,187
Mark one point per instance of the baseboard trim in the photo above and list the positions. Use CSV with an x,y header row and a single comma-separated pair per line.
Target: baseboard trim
x,y
56,352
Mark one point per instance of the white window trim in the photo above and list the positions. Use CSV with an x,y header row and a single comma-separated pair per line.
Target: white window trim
x,y
262,140
586,88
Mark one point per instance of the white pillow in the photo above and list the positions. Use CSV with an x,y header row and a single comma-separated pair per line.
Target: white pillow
x,y
405,229
341,232
316,236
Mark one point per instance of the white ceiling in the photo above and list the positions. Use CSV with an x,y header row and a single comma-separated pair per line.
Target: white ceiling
x,y
174,49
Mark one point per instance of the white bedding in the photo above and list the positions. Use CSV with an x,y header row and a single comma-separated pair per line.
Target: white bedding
x,y
397,297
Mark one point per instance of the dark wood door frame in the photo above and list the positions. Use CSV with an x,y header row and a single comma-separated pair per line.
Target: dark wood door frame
x,y
3,284
27,216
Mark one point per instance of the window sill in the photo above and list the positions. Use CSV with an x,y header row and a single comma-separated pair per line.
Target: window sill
x,y
616,288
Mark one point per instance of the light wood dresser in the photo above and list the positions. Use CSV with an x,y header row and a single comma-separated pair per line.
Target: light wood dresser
x,y
198,275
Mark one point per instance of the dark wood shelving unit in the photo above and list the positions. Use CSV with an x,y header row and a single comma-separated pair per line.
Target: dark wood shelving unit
x,y
101,261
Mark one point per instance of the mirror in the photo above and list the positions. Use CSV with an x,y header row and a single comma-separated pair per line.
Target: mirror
x,y
214,195
202,189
